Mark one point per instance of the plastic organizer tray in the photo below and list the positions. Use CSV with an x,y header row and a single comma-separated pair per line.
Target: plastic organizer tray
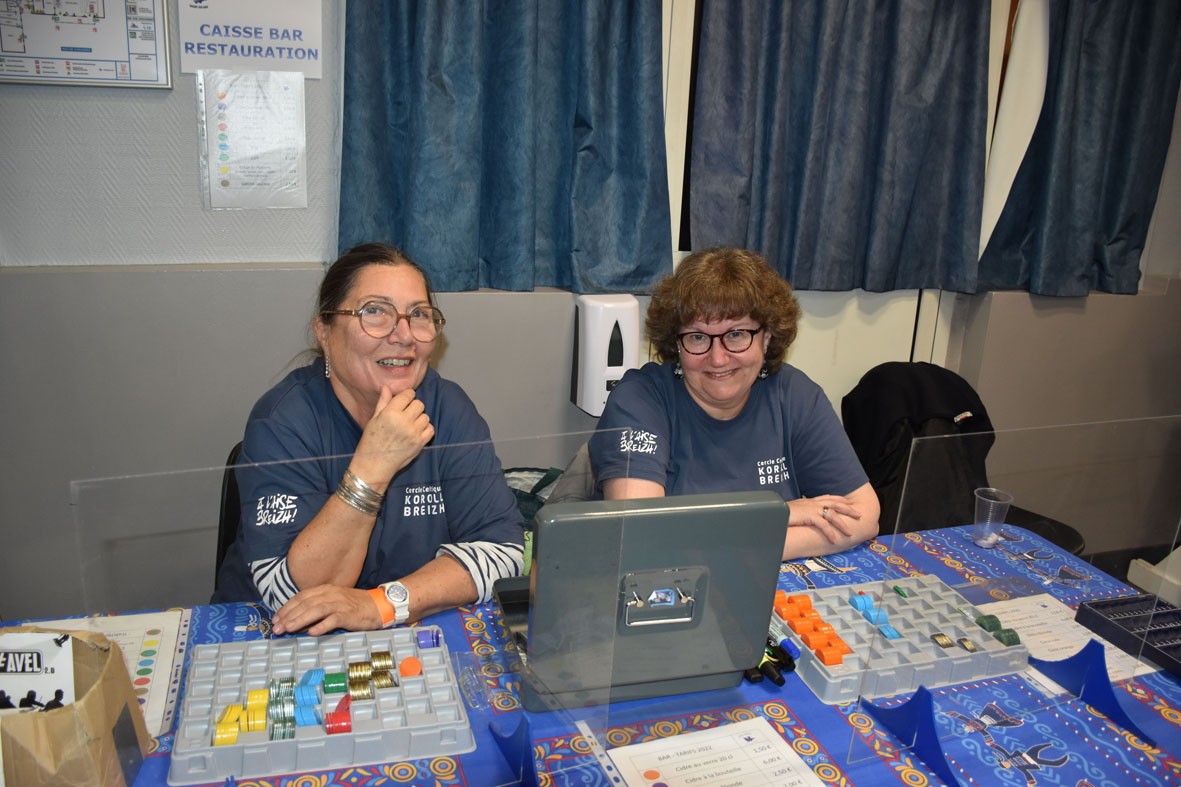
x,y
1143,625
256,709
892,637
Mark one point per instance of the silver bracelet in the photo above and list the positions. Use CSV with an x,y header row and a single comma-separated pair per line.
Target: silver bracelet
x,y
359,495
362,489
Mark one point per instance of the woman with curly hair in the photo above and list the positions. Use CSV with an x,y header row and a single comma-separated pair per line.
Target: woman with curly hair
x,y
722,412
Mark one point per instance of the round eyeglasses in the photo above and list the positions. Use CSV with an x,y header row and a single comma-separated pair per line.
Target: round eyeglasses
x,y
735,340
379,319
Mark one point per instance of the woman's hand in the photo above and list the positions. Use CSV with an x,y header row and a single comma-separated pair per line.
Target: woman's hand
x,y
441,584
394,436
831,523
326,608
834,516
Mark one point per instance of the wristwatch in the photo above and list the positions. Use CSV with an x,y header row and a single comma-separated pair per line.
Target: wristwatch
x,y
393,602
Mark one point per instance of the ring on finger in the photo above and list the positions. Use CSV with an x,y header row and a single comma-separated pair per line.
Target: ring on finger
x,y
824,512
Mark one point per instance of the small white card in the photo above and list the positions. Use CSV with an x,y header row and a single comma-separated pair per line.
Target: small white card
x,y
36,671
1048,629
747,752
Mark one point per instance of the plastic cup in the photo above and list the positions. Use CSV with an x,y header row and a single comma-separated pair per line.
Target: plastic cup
x,y
991,507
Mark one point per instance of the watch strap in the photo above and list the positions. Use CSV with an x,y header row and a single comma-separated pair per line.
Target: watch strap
x,y
384,607
401,608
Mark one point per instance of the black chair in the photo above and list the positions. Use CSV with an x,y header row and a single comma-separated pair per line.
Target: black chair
x,y
896,402
231,511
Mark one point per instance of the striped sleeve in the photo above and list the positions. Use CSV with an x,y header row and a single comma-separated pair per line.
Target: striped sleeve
x,y
487,562
273,581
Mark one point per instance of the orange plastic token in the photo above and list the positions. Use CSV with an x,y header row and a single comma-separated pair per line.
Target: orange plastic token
x,y
814,640
804,602
410,667
830,656
801,625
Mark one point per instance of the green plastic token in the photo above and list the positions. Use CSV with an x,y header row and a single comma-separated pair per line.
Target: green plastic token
x,y
990,623
1007,637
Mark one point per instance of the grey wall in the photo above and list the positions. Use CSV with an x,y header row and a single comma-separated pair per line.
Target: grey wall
x,y
125,371
1059,362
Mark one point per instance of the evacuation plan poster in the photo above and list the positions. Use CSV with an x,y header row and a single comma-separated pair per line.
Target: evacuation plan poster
x,y
113,43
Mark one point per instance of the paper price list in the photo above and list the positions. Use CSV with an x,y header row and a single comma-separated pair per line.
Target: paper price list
x,y
744,753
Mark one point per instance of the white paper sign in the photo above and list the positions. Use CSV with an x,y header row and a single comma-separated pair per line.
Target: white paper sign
x,y
255,150
250,35
36,671
749,753
1047,628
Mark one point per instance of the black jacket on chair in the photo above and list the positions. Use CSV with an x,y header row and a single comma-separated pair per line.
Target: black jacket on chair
x,y
893,404
929,484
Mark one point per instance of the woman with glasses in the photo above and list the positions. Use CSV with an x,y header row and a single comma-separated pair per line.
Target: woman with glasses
x,y
722,412
349,519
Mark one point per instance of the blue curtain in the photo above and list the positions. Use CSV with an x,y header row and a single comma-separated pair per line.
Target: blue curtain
x,y
1077,215
843,140
508,144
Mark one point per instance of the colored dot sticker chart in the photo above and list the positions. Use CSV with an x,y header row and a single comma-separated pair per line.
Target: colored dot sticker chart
x,y
748,752
254,153
152,644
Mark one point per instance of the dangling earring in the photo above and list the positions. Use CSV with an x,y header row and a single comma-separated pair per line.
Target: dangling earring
x,y
763,373
678,372
327,367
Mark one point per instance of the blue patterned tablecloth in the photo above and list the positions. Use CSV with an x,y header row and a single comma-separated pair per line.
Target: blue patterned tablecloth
x,y
987,731
995,731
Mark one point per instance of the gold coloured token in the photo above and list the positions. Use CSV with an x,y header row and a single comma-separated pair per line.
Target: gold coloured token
x,y
360,670
360,689
942,640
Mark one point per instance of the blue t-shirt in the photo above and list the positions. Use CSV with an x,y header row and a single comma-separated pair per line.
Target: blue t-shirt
x,y
453,492
786,439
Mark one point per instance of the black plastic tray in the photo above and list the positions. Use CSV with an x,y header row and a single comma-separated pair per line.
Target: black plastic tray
x,y
1144,626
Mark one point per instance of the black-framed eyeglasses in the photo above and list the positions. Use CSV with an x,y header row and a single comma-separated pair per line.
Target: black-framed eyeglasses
x,y
379,319
735,340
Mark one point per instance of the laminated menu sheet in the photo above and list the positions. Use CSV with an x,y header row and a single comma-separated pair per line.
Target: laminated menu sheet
x,y
747,752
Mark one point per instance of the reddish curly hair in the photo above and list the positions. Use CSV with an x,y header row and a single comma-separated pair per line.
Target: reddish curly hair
x,y
723,283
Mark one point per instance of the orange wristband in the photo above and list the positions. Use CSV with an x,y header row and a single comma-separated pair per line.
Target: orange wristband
x,y
384,607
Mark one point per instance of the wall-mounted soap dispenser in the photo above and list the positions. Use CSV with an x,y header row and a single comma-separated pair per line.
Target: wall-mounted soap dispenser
x,y
606,344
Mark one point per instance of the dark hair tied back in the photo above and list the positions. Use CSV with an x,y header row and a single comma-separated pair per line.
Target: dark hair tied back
x,y
342,274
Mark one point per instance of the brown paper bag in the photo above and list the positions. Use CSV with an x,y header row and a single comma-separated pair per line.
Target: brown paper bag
x,y
100,739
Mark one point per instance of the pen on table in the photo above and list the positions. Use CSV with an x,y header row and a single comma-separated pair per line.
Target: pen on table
x,y
780,638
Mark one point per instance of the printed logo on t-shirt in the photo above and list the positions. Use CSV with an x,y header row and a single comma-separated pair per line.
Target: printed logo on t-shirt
x,y
637,441
423,501
276,510
772,471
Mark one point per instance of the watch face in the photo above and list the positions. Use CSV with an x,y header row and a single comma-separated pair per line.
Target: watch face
x,y
396,593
